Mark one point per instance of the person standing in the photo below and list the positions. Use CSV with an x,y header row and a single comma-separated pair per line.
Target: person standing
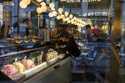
x,y
88,33
71,46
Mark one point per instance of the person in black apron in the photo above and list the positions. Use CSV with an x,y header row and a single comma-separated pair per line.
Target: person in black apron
x,y
71,45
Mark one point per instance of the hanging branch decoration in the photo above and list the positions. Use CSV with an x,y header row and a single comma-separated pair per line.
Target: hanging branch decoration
x,y
59,13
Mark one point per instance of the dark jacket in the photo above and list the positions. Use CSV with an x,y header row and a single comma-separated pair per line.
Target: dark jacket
x,y
72,48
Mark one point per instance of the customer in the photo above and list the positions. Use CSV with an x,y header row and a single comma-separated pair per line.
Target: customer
x,y
103,61
88,33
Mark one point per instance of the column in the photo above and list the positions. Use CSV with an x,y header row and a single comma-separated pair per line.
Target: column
x,y
6,17
84,7
123,23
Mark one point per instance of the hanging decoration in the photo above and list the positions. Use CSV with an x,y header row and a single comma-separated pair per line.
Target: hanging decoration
x,y
59,13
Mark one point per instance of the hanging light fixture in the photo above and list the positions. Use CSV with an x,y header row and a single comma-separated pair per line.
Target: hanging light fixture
x,y
58,17
60,10
51,14
54,13
51,5
62,16
71,16
39,0
43,4
64,19
98,0
22,4
67,19
38,10
43,8
66,14
28,2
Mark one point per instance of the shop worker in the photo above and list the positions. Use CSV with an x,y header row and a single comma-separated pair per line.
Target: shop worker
x,y
71,45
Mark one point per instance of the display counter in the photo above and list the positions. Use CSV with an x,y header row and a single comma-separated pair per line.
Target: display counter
x,y
37,65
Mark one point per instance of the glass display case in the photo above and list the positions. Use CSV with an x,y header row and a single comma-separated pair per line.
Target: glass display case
x,y
29,66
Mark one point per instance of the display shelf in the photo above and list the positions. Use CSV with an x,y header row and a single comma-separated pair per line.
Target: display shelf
x,y
29,73
20,52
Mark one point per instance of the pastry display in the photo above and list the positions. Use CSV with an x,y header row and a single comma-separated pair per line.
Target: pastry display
x,y
51,54
20,67
9,70
28,63
61,56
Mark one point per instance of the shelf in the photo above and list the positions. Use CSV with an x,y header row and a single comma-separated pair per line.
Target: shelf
x,y
20,52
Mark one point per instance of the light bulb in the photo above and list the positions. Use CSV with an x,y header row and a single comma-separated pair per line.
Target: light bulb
x,y
68,21
64,20
66,14
22,5
27,2
50,14
38,10
70,16
53,9
74,18
39,0
54,13
62,16
98,0
43,8
58,17
43,4
60,10
51,5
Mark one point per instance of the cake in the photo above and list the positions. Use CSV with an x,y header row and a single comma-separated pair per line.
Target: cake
x,y
9,70
28,63
20,67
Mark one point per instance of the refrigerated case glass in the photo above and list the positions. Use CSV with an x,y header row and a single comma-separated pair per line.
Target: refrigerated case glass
x,y
40,59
